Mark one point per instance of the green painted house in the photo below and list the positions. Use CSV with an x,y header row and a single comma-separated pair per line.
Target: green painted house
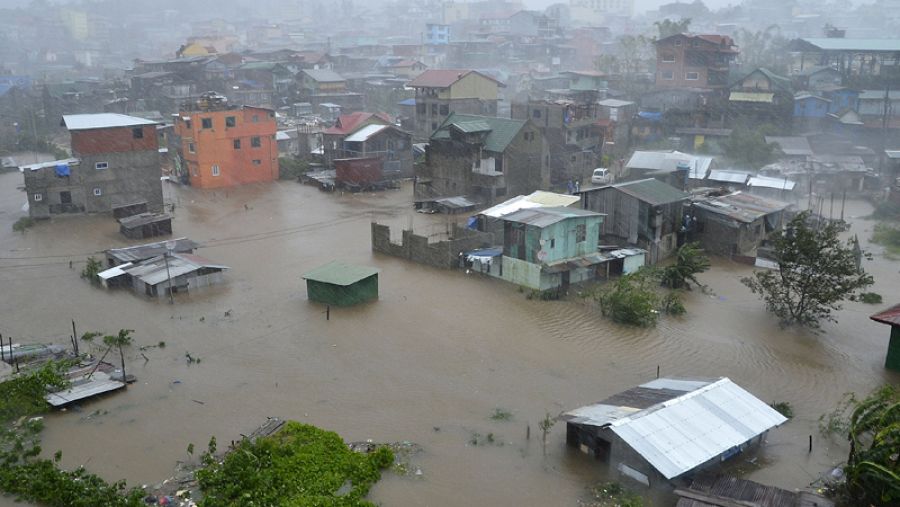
x,y
549,248
340,284
891,317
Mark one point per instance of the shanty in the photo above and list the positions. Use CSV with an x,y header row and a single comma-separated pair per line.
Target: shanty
x,y
670,428
153,277
340,284
891,317
140,253
146,225
722,491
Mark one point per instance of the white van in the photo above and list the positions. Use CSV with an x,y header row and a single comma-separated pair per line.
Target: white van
x,y
601,176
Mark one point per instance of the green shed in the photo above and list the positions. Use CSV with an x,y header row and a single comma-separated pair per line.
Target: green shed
x,y
340,284
891,317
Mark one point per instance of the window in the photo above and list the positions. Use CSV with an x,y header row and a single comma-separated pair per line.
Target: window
x,y
678,42
255,118
420,109
257,162
97,192
191,148
215,170
101,165
668,75
433,125
434,109
668,58
573,158
137,133
230,121
691,76
552,242
206,123
536,113
237,144
255,142
188,124
445,109
38,197
580,232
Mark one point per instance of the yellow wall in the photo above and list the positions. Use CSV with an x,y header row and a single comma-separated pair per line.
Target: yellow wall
x,y
194,49
472,86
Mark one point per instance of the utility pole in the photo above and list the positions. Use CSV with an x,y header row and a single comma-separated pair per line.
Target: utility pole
x,y
170,245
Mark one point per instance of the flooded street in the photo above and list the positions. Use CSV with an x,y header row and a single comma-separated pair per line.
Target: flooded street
x,y
428,363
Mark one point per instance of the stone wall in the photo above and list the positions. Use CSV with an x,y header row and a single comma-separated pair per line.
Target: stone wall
x,y
440,254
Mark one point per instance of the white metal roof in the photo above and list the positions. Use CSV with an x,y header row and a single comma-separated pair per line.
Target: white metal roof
x,y
103,120
114,271
682,433
154,271
536,199
615,103
668,161
739,177
52,163
365,133
768,182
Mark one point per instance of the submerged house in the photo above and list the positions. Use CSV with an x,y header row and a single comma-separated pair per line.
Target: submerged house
x,y
668,429
891,317
342,284
139,253
550,248
174,272
735,224
644,213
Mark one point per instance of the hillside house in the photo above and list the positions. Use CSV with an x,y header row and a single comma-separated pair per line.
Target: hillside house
x,y
694,61
440,93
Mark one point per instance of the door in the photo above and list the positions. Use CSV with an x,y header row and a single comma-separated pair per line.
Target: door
x,y
65,197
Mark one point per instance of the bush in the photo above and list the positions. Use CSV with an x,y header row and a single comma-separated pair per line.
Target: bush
x,y
290,168
22,224
630,301
870,298
784,408
91,270
888,236
613,494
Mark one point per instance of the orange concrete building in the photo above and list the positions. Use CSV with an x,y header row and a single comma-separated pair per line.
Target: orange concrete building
x,y
228,147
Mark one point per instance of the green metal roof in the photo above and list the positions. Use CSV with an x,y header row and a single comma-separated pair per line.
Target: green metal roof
x,y
338,273
502,130
652,191
829,44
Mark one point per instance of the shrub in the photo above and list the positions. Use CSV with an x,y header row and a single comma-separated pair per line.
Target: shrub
x,y
22,224
290,168
92,268
870,298
630,301
784,408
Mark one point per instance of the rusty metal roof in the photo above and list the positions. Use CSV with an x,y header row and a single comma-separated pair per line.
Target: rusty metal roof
x,y
443,78
891,316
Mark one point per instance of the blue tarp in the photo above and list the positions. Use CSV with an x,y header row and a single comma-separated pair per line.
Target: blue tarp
x,y
62,170
650,116
472,223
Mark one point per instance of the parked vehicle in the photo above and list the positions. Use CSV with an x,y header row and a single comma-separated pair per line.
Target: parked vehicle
x,y
601,176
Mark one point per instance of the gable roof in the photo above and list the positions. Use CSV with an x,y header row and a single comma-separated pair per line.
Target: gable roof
x,y
368,131
444,78
742,207
723,42
536,199
891,316
338,273
677,425
791,145
500,131
669,161
102,121
543,217
650,190
324,75
349,123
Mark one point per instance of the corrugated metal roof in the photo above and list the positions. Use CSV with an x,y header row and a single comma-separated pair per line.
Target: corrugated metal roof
x,y
324,75
742,207
146,251
751,97
791,145
154,271
891,316
669,161
502,130
537,199
615,103
879,95
651,191
834,44
114,271
892,153
103,120
365,133
443,78
143,219
738,177
339,273
703,420
543,217
768,182
52,163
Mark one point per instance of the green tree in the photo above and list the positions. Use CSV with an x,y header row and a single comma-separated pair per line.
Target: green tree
x,y
872,471
120,341
92,268
749,147
690,260
816,272
632,299
668,27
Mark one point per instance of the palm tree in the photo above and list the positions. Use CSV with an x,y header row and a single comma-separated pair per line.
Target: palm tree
x,y
120,341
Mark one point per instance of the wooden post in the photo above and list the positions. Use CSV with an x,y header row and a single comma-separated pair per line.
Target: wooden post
x,y
327,312
74,337
657,371
810,443
2,354
527,431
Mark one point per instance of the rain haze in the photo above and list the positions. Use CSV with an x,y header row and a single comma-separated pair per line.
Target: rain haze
x,y
449,253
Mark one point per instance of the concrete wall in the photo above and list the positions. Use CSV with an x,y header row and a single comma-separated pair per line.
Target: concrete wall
x,y
527,274
440,254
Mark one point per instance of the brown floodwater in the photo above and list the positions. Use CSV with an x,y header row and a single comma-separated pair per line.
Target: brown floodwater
x,y
429,362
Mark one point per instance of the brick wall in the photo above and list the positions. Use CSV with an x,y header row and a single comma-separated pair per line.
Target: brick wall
x,y
440,254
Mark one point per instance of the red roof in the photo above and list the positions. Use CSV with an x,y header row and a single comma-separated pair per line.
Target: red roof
x,y
891,316
348,123
443,78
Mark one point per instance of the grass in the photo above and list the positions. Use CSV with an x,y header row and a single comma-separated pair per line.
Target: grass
x,y
500,414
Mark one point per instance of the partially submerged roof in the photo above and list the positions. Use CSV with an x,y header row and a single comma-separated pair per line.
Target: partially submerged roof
x,y
146,251
157,270
710,491
500,131
338,273
536,199
791,145
742,207
677,425
543,217
650,190
143,219
891,316
103,120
